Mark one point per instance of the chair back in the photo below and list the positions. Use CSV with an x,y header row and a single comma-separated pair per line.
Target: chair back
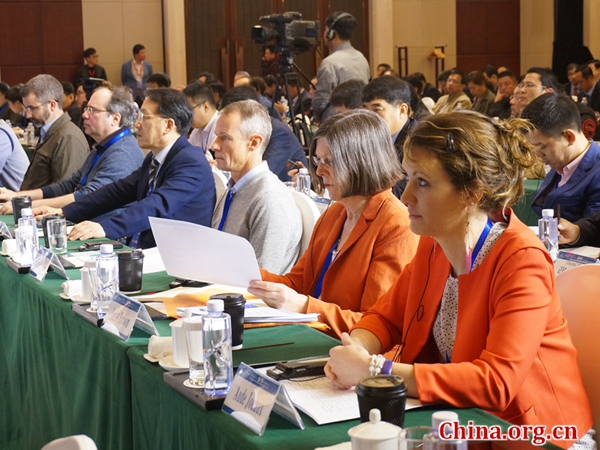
x,y
310,214
78,442
220,183
578,290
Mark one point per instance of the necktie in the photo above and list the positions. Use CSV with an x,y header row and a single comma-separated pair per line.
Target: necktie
x,y
154,165
153,172
230,194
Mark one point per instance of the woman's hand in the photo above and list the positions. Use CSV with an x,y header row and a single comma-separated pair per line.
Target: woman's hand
x,y
279,296
348,364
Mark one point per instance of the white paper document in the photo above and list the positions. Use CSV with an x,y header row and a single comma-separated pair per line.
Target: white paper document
x,y
324,403
256,311
200,253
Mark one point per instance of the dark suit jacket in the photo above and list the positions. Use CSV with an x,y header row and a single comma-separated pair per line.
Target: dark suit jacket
x,y
185,190
580,196
594,99
283,145
431,92
589,231
127,79
303,104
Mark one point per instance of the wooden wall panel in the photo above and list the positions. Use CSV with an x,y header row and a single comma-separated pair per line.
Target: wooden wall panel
x,y
488,31
40,36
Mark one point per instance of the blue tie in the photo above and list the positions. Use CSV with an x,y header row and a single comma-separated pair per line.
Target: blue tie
x,y
230,193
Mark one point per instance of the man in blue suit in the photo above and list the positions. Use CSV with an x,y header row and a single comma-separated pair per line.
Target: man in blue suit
x,y
573,183
135,73
172,182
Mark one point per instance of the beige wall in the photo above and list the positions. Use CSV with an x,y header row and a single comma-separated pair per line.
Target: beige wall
x,y
422,25
113,27
537,33
591,32
381,28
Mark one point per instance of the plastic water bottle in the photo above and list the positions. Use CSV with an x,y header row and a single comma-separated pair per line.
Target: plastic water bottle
x,y
107,272
28,237
548,232
433,440
303,181
286,108
216,340
29,134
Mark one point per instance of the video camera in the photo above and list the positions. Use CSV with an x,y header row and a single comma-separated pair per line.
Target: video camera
x,y
291,34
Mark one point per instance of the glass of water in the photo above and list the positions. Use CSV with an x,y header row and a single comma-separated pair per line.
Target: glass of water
x,y
193,333
57,235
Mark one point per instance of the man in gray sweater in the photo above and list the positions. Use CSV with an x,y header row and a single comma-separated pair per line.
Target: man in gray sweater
x,y
106,119
257,206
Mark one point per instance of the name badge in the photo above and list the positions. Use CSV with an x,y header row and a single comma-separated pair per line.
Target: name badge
x,y
253,396
4,231
566,261
124,313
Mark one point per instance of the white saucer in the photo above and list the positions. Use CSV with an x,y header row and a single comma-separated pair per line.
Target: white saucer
x,y
168,364
152,359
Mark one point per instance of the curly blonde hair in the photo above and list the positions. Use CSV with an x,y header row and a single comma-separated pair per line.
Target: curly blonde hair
x,y
482,157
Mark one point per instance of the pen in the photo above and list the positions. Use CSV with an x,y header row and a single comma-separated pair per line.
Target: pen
x,y
279,344
558,213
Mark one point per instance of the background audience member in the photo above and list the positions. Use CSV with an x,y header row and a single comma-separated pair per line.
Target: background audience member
x,y
382,68
15,104
507,83
490,74
361,243
574,180
388,97
270,65
427,89
257,206
589,90
455,98
90,69
202,101
159,80
467,169
62,147
343,63
570,87
135,73
483,97
69,104
347,96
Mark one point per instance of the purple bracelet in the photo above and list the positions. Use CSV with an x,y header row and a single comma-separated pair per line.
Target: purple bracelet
x,y
387,367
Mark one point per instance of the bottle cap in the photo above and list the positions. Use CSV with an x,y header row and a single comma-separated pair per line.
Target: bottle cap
x,y
193,323
548,212
215,305
303,171
438,417
106,248
26,212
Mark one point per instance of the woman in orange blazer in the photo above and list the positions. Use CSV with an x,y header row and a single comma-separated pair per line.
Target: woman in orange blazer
x,y
362,242
475,314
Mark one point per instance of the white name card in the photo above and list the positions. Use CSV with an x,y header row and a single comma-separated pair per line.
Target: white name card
x,y
567,260
42,260
124,313
253,396
4,231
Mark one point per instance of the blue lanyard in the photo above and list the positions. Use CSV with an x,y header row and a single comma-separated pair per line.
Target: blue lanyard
x,y
99,154
228,199
480,241
326,264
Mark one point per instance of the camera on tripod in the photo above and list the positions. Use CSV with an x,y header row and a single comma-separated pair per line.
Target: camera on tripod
x,y
291,34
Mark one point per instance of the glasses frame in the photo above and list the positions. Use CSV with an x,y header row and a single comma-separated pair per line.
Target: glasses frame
x,y
326,161
31,109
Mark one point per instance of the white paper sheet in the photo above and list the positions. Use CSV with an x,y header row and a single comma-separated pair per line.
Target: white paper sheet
x,y
323,402
152,261
200,253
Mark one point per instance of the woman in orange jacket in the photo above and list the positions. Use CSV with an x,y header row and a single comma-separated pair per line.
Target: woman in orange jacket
x,y
475,314
362,242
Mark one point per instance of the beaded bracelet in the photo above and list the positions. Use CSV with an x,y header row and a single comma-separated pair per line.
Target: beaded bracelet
x,y
376,364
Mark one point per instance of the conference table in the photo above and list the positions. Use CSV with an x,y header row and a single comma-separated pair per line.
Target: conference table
x,y
60,375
